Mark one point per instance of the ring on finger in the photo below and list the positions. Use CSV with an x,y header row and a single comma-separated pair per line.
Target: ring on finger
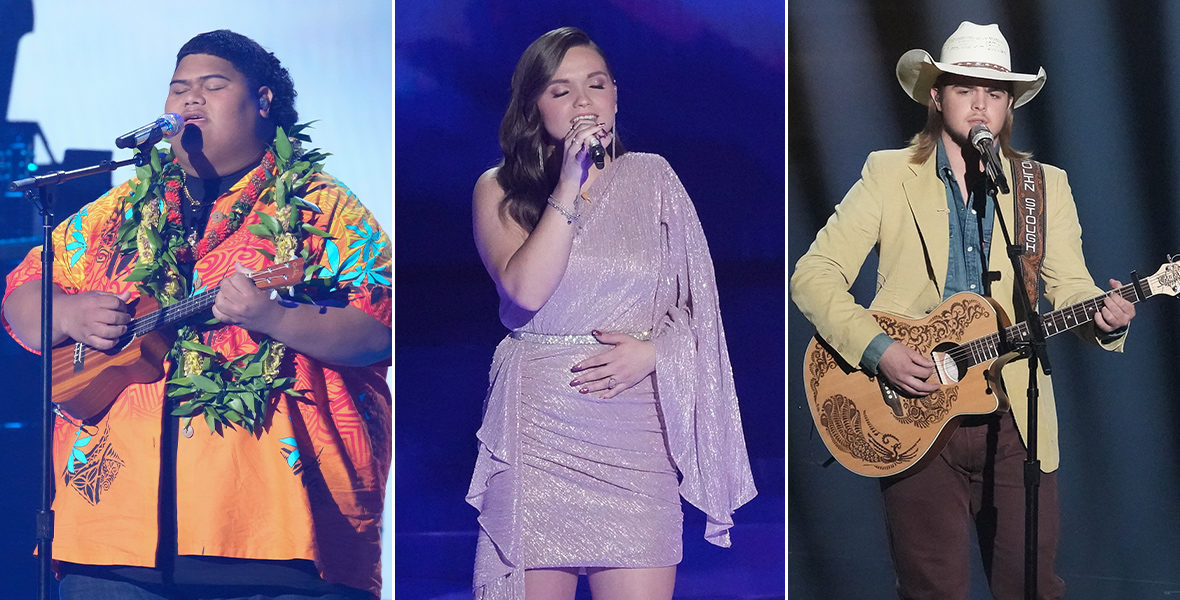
x,y
611,383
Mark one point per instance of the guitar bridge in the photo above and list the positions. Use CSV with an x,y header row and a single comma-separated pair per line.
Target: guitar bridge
x,y
889,395
79,356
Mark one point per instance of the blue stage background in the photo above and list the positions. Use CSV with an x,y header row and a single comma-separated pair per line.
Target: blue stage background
x,y
700,83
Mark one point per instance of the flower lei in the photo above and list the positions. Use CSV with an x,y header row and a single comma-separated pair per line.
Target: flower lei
x,y
226,392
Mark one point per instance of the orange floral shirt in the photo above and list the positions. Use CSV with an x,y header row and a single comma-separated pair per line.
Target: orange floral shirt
x,y
310,486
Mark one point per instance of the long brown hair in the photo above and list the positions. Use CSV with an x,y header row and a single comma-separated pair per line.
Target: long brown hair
x,y
525,174
923,144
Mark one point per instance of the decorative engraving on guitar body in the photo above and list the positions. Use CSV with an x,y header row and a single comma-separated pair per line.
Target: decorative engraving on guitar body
x,y
847,427
928,410
949,324
821,362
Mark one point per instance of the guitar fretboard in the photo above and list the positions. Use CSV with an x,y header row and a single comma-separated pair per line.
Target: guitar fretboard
x,y
169,314
287,273
991,346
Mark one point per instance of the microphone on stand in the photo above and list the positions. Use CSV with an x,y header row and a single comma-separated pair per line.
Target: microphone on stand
x,y
981,137
168,125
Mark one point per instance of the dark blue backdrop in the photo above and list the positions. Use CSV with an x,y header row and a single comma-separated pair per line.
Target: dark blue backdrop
x,y
700,84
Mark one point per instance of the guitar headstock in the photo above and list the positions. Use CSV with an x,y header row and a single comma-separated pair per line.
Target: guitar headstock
x,y
280,275
1167,279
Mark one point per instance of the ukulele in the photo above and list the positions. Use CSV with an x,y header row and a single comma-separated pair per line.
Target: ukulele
x,y
86,380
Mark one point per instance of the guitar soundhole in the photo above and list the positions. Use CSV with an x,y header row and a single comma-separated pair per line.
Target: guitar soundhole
x,y
949,366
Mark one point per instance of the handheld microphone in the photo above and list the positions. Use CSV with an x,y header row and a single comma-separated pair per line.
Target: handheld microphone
x,y
981,137
168,125
597,152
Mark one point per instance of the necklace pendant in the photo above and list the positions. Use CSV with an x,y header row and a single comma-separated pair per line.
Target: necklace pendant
x,y
192,237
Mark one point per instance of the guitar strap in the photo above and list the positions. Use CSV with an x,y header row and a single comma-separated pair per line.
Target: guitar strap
x,y
1029,201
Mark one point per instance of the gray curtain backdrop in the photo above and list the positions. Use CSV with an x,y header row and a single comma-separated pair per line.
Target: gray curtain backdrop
x,y
1109,116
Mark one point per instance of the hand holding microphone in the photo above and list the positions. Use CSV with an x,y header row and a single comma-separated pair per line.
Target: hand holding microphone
x,y
581,148
983,141
597,152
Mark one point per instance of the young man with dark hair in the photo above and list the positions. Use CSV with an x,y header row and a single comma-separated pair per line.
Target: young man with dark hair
x,y
256,463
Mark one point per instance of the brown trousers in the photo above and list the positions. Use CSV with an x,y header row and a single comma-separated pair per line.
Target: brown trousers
x,y
977,481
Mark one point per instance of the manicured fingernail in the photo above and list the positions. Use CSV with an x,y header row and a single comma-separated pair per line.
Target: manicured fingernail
x,y
575,383
596,332
583,390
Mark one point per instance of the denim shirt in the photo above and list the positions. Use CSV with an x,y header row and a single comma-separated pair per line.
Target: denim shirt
x,y
970,239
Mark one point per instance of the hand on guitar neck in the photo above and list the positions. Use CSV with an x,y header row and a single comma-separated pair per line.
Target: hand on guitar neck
x,y
240,302
1116,312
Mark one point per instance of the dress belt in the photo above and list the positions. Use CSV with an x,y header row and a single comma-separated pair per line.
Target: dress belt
x,y
586,338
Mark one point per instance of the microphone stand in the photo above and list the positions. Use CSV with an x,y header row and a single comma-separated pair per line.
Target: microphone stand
x,y
1033,348
45,197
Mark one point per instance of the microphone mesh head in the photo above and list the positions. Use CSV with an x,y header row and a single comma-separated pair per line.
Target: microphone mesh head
x,y
170,124
980,133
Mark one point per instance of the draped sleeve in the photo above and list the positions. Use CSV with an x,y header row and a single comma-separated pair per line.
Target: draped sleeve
x,y
693,377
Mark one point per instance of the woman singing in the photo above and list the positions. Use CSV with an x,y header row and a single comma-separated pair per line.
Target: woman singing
x,y
612,396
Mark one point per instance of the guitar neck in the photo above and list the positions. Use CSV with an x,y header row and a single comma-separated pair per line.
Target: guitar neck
x,y
172,313
1076,315
282,275
1055,322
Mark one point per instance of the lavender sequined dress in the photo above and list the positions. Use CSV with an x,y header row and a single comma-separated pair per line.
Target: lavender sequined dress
x,y
565,479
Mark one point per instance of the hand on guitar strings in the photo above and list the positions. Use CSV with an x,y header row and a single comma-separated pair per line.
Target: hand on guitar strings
x,y
907,370
97,319
240,302
1116,311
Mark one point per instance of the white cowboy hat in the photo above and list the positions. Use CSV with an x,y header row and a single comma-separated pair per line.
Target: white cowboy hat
x,y
974,51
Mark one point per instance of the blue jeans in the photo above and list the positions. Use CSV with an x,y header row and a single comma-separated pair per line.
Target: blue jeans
x,y
82,587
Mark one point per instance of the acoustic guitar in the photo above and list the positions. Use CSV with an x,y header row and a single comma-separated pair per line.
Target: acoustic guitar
x,y
86,380
875,431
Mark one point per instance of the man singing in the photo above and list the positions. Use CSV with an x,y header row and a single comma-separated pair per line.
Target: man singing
x,y
928,212
256,464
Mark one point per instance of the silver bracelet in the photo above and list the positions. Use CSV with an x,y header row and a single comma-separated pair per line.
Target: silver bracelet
x,y
570,218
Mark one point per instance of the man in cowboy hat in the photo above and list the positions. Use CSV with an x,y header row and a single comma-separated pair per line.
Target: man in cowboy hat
x,y
928,211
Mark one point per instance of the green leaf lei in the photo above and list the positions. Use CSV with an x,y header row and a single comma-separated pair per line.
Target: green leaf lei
x,y
226,392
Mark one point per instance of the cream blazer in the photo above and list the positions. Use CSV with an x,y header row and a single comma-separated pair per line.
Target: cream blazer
x,y
900,209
